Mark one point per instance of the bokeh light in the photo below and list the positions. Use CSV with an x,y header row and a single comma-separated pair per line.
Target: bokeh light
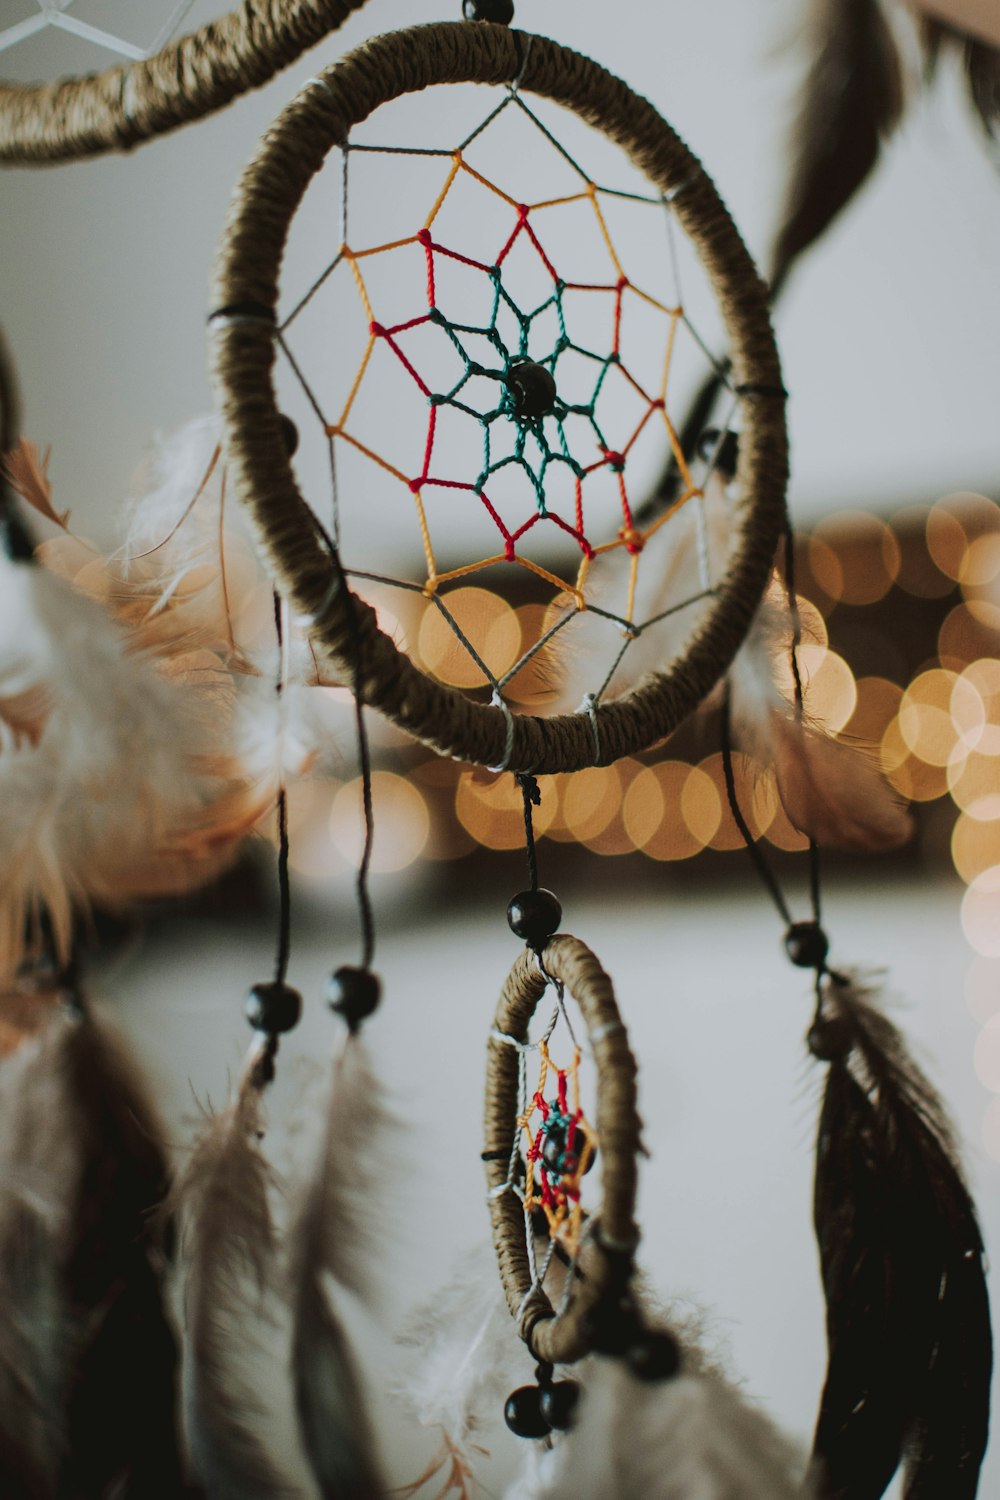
x,y
311,850
854,557
975,846
918,573
653,810
986,1056
981,913
925,719
876,706
969,632
491,808
829,690
963,532
402,822
613,837
982,988
588,801
486,620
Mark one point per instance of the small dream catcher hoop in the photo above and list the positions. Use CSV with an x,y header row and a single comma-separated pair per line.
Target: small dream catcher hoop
x,y
537,1149
305,560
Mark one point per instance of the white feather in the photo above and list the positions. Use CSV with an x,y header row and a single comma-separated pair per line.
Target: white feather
x,y
691,1438
467,1356
99,806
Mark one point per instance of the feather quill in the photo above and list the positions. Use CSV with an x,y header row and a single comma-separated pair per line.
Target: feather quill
x,y
27,472
228,1257
691,1438
329,1242
830,789
86,1336
908,1323
852,100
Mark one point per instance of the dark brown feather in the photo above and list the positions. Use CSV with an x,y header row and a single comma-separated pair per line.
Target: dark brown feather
x,y
908,1327
982,69
85,1331
851,101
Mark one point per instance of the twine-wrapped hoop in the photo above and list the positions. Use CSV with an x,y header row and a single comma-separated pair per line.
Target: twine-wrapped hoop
x,y
564,1338
116,109
245,296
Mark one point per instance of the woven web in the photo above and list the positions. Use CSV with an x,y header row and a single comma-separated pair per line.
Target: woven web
x,y
555,485
63,15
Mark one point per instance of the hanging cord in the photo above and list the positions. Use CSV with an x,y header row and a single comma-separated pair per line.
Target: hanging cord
x,y
343,592
767,876
532,795
533,914
793,608
284,886
805,942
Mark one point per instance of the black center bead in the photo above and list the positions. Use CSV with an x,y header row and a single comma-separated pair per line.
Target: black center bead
x,y
554,1151
523,1412
534,916
807,945
354,994
558,1404
501,11
532,390
654,1356
273,1008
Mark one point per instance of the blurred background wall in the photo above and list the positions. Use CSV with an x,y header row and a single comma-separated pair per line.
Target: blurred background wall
x,y
889,336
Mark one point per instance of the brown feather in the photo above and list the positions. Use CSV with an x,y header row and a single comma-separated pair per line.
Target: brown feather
x,y
832,790
329,1238
982,69
228,1249
85,1335
852,100
27,472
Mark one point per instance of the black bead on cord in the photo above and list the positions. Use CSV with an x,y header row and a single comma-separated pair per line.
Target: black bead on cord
x,y
534,1411
499,11
533,915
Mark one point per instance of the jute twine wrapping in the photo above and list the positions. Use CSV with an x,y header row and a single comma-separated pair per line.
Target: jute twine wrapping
x,y
116,109
246,282
564,1338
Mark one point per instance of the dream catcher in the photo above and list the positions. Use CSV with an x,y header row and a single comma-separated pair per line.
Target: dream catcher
x,y
534,388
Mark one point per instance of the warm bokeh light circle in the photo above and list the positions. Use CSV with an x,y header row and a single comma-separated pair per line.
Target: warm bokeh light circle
x,y
484,618
402,822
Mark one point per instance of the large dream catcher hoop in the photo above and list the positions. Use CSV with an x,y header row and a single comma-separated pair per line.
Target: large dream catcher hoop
x,y
152,93
523,394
